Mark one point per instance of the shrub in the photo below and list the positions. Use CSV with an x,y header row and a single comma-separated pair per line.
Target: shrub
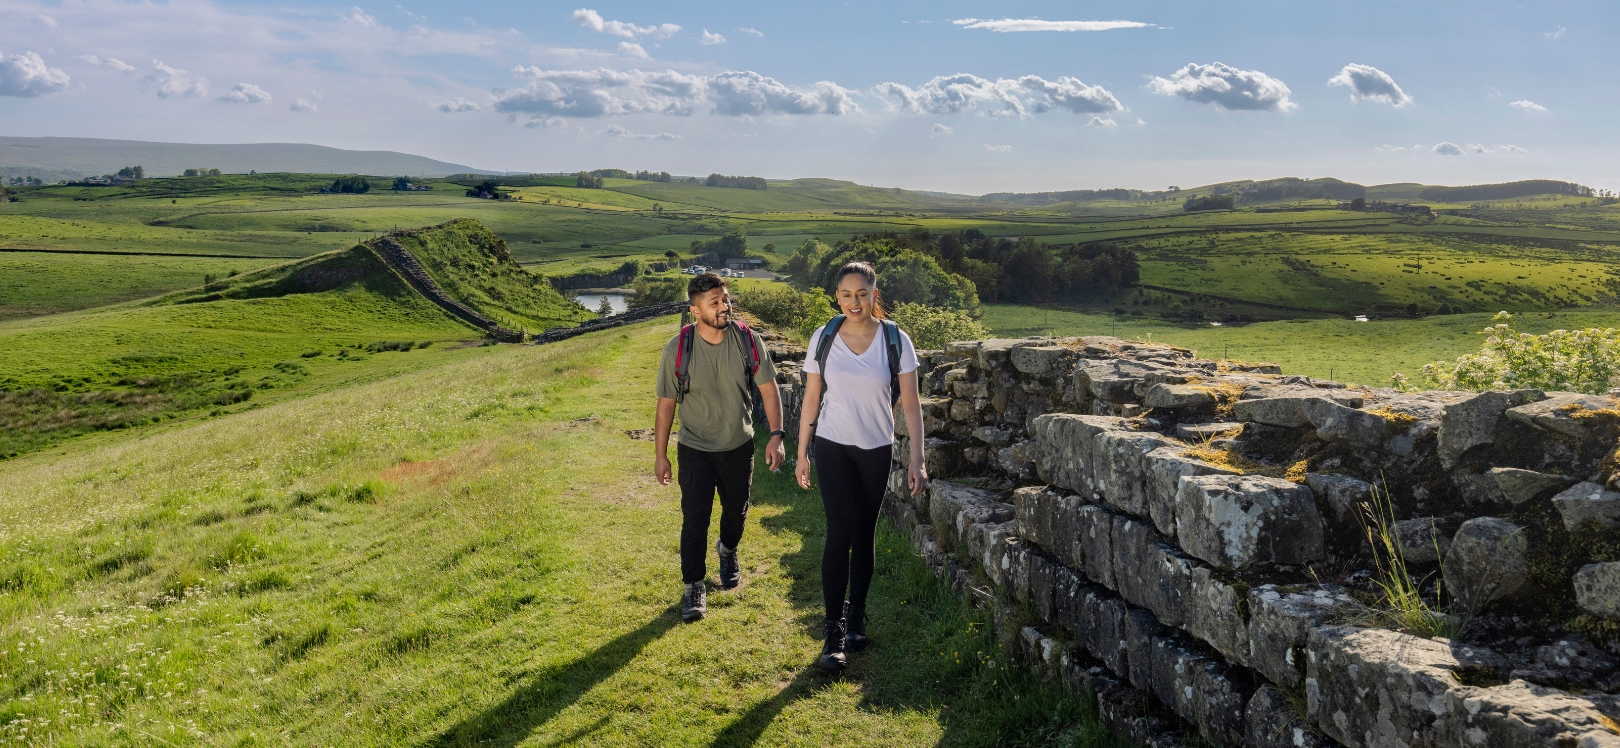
x,y
1570,360
652,291
787,309
932,327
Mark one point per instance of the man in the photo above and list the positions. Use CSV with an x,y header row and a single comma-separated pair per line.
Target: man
x,y
716,449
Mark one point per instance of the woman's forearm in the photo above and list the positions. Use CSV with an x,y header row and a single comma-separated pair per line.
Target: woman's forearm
x,y
807,412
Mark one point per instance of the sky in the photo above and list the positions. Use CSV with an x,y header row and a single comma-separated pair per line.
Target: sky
x,y
965,97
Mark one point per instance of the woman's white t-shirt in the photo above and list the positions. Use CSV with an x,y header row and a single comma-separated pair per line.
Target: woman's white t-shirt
x,y
855,409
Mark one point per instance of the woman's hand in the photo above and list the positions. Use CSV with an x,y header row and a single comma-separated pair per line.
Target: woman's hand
x,y
801,470
917,476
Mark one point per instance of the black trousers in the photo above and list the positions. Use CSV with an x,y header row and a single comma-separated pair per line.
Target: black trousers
x,y
852,482
701,474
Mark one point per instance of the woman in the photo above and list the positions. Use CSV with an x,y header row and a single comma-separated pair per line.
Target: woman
x,y
849,416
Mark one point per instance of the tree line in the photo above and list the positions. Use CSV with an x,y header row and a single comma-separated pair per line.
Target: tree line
x,y
745,183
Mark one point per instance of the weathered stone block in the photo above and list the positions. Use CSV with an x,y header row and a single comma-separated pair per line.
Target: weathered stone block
x,y
1121,475
1066,446
1564,413
1199,432
1033,506
953,508
1141,630
1335,422
1216,614
1588,502
1269,722
1519,486
1371,687
1095,534
1221,692
993,436
1112,638
1246,522
970,389
1281,617
1597,589
1042,360
1042,584
1111,381
942,457
962,410
1472,421
989,544
963,349
1064,531
1488,561
993,353
1067,605
1285,406
1166,467
1174,660
1422,540
1019,459
1178,397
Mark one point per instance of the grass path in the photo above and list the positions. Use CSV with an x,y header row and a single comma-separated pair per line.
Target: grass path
x,y
469,555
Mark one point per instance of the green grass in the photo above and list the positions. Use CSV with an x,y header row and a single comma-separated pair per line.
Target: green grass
x,y
477,268
39,283
472,554
1341,349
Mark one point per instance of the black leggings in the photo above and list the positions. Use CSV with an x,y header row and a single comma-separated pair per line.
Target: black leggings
x,y
852,483
701,475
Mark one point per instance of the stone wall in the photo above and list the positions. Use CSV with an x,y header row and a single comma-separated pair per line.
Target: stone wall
x,y
1185,539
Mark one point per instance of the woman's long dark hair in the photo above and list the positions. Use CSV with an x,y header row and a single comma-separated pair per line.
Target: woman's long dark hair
x,y
870,276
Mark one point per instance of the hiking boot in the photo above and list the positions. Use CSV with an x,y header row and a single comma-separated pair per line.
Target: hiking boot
x,y
730,572
855,638
694,602
832,649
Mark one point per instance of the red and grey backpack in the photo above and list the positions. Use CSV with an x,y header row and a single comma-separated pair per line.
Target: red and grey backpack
x,y
683,357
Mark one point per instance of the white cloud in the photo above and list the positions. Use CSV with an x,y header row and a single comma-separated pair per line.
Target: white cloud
x,y
752,30
1527,106
605,93
360,18
1477,148
939,129
708,38
47,20
1010,25
1102,122
593,20
1140,122
1447,149
1389,149
457,104
1511,149
616,131
1002,97
1226,87
107,62
176,82
632,49
245,93
302,105
998,148
28,76
748,93
1555,34
1367,83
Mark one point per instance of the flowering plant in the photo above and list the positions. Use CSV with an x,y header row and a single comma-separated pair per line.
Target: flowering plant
x,y
1569,360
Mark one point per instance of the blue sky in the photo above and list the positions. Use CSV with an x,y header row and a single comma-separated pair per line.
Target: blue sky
x,y
957,96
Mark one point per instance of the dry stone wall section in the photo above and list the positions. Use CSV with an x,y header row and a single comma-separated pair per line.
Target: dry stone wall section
x,y
1185,539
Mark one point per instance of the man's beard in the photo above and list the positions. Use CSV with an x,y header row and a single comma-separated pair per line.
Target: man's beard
x,y
716,320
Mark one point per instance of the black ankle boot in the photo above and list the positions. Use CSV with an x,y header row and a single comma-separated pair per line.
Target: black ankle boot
x,y
832,650
855,638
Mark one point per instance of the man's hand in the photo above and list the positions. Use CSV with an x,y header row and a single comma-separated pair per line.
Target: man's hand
x,y
661,469
775,454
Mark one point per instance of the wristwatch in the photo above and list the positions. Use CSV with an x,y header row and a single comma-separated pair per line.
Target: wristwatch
x,y
779,432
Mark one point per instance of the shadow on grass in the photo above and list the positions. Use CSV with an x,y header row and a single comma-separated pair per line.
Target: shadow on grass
x,y
933,652
550,692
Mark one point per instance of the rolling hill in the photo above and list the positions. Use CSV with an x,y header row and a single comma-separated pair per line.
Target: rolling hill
x,y
93,156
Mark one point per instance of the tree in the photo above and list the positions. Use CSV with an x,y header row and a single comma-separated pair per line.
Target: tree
x,y
672,255
190,173
351,185
1359,203
932,327
584,179
653,290
132,172
402,183
605,308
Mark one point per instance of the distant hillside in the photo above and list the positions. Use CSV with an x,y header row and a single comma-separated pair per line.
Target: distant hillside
x,y
1069,196
1505,191
59,157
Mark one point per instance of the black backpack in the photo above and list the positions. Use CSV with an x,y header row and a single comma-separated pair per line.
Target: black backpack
x,y
891,341
683,357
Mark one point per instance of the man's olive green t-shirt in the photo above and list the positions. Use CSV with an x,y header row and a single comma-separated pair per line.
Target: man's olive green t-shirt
x,y
714,414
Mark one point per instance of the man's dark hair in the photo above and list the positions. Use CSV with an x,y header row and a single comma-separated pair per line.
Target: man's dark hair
x,y
703,284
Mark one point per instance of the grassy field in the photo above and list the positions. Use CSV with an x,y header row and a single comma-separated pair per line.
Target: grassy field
x,y
473,554
1341,349
40,283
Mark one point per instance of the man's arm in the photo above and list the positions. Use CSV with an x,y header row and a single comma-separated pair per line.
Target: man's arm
x,y
771,398
666,419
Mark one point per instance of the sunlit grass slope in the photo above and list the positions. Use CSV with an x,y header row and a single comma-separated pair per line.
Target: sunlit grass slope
x,y
39,283
1358,352
476,267
474,554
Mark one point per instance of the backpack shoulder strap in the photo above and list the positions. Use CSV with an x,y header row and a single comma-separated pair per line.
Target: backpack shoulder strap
x,y
891,341
750,346
824,344
683,358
